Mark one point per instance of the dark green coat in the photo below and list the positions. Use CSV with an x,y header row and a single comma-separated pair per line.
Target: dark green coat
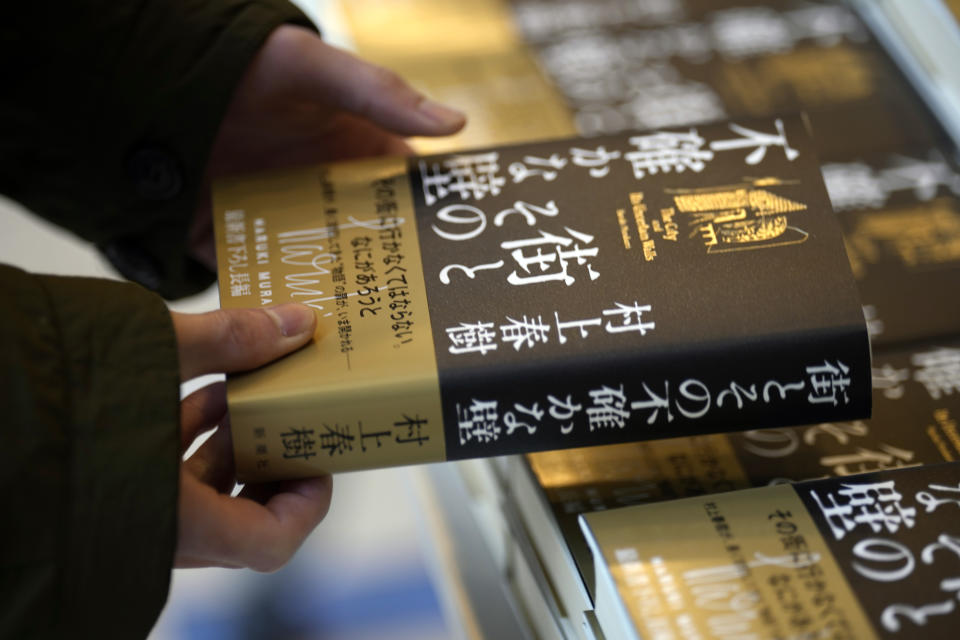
x,y
108,110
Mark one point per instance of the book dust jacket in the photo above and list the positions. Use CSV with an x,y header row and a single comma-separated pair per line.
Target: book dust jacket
x,y
864,557
543,296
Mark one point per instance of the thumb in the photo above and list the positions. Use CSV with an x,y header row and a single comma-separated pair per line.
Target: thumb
x,y
333,76
240,339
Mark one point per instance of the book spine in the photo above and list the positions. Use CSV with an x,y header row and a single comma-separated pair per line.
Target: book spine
x,y
336,429
633,397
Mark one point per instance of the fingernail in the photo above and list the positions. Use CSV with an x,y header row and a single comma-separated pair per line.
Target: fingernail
x,y
292,319
442,114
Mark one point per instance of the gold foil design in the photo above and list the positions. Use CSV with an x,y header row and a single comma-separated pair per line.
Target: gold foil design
x,y
648,232
624,229
741,217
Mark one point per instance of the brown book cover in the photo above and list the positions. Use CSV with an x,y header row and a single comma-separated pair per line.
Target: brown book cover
x,y
543,296
868,556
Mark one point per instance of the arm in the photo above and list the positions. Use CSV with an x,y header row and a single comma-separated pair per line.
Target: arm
x,y
99,507
90,456
108,117
116,115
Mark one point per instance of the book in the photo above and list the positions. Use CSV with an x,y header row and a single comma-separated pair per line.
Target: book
x,y
867,556
543,296
900,215
916,407
635,66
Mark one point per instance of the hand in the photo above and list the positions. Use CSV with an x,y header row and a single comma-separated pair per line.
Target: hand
x,y
303,101
264,525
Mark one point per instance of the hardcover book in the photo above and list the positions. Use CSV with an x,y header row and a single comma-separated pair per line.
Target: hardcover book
x,y
543,296
916,405
868,556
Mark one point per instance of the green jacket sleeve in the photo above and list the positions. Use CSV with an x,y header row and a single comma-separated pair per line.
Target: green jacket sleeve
x,y
109,111
90,457
107,116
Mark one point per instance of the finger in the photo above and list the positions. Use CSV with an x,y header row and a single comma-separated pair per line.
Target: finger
x,y
217,530
213,463
298,508
201,411
260,492
353,137
331,75
240,339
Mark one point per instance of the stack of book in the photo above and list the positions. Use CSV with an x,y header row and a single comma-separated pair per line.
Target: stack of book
x,y
556,494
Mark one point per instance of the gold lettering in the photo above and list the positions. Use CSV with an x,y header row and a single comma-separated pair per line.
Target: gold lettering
x,y
671,228
624,230
949,427
649,250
